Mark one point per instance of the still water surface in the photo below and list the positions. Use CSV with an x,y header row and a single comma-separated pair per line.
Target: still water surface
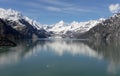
x,y
60,58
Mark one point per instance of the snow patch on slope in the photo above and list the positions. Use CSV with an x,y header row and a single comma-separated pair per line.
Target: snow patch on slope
x,y
13,15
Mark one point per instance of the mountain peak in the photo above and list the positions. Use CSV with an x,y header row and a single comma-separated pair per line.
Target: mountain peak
x,y
74,23
61,22
10,14
116,15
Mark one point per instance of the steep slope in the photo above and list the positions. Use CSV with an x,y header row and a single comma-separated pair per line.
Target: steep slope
x,y
22,24
108,30
7,34
12,15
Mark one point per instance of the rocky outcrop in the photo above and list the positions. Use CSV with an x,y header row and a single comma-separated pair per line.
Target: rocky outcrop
x,y
6,33
29,30
25,26
21,30
107,30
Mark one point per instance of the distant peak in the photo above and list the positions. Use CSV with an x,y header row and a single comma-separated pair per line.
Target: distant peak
x,y
10,14
74,22
1,9
102,19
61,22
9,10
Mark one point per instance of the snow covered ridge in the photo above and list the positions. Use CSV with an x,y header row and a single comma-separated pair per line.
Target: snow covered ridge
x,y
13,15
10,14
58,28
62,27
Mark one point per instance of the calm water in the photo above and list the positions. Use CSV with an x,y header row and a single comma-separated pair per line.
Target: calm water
x,y
60,58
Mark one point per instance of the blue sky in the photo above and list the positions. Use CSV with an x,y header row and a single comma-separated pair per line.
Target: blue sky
x,y
52,11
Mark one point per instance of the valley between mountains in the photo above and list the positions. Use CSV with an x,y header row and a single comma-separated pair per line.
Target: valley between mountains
x,y
13,25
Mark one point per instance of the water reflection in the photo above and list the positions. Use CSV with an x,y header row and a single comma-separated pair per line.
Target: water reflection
x,y
26,49
12,55
109,52
72,47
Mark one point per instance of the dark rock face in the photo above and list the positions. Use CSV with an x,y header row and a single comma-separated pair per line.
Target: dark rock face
x,y
11,31
108,30
8,32
21,30
33,31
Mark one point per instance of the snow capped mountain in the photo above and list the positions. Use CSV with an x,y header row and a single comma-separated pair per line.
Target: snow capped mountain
x,y
58,27
61,27
13,15
28,26
108,30
10,14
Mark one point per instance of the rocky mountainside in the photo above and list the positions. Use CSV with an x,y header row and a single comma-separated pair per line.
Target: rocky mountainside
x,y
15,16
27,28
7,34
108,30
21,27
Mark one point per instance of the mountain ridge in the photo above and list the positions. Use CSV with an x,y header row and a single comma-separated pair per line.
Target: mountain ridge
x,y
30,29
108,30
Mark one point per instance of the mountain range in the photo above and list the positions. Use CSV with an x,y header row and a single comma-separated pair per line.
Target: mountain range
x,y
14,25
108,30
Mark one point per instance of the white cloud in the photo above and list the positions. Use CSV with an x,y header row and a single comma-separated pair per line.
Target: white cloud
x,y
76,9
56,2
54,9
65,7
34,4
114,8
58,6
